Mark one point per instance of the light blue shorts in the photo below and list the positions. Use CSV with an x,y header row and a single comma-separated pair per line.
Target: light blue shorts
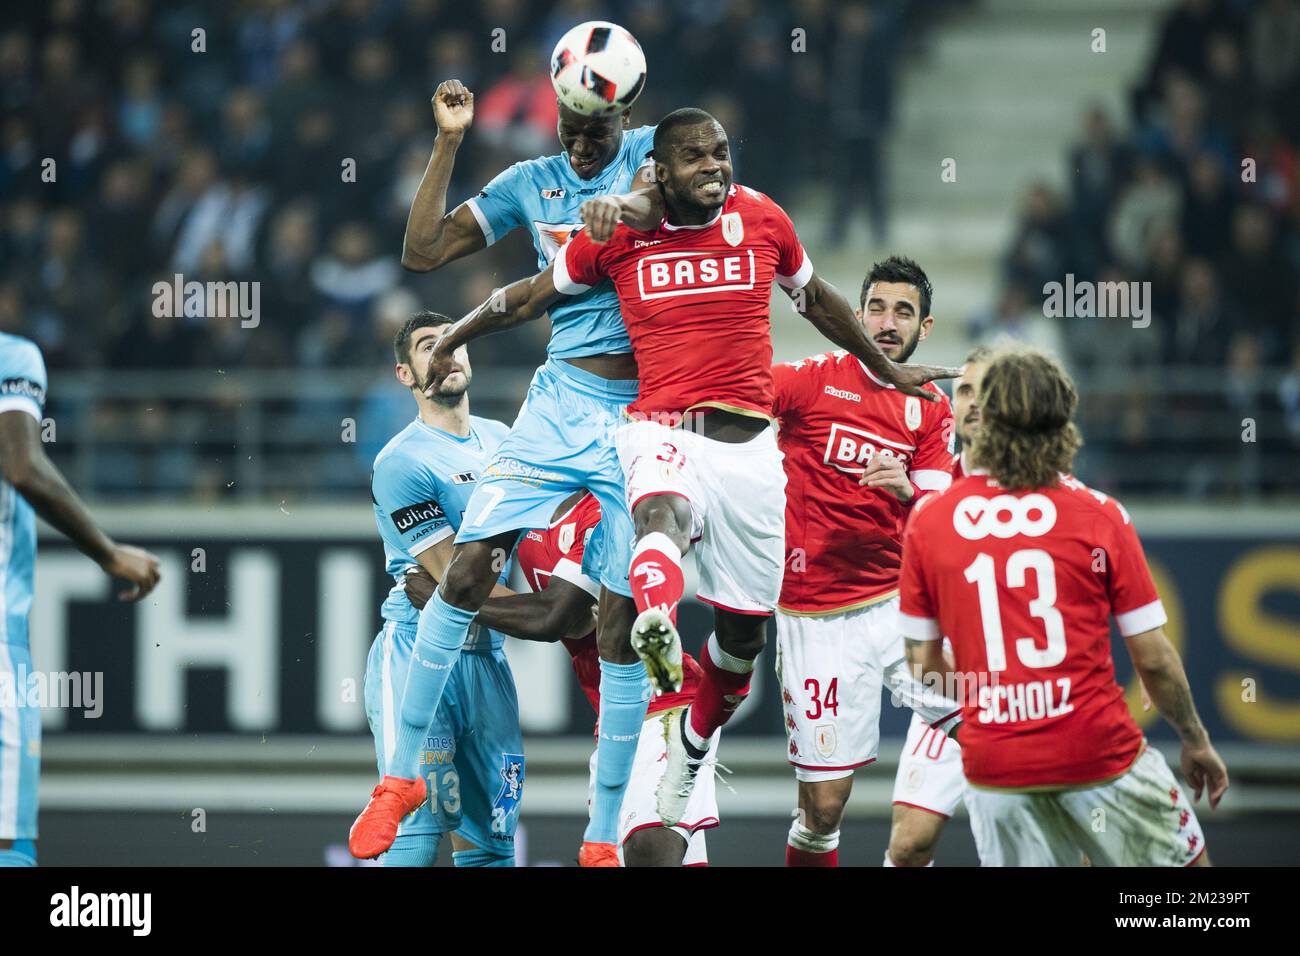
x,y
561,442
20,746
473,759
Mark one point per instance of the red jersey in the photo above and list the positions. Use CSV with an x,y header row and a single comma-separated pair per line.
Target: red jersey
x,y
1024,584
696,300
958,467
844,541
557,551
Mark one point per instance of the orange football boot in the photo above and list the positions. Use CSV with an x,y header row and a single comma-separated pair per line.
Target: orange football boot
x,y
598,854
376,828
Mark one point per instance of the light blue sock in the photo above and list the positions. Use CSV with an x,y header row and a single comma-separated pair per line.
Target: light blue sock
x,y
477,857
624,699
412,849
442,631
22,853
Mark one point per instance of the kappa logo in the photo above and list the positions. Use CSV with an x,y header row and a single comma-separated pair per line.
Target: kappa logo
x,y
848,396
1004,516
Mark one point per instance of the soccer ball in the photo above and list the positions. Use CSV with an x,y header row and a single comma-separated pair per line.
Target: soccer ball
x,y
597,69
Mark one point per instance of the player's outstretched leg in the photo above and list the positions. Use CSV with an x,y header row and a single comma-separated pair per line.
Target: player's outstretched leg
x,y
663,526
444,625
624,696
727,663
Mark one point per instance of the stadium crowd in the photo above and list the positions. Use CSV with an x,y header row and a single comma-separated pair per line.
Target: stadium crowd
x,y
140,140
1201,199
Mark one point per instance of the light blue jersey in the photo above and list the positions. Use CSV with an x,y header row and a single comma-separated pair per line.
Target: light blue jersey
x,y
420,485
472,757
543,196
22,390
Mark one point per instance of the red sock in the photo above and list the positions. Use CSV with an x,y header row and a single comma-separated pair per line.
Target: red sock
x,y
719,694
656,574
796,857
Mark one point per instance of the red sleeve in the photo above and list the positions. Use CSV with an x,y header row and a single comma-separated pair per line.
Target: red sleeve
x,y
790,385
579,264
1133,597
918,613
793,267
931,467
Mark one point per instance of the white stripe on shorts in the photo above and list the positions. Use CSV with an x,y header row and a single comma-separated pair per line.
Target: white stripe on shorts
x,y
386,681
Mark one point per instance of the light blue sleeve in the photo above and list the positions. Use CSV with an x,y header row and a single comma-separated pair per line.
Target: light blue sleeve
x,y
641,145
414,501
22,377
497,207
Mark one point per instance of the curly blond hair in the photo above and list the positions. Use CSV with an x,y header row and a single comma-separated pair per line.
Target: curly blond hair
x,y
1027,438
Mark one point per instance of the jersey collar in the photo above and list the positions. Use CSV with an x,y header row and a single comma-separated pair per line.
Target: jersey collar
x,y
704,225
872,375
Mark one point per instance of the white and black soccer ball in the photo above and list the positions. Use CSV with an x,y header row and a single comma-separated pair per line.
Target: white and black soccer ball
x,y
597,69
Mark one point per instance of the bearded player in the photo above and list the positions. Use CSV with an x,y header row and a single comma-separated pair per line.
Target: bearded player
x,y
929,782
559,443
859,455
698,453
1022,567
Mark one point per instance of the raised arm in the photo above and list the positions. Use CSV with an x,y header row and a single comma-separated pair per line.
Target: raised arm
x,y
26,466
517,303
830,313
1162,674
434,238
642,209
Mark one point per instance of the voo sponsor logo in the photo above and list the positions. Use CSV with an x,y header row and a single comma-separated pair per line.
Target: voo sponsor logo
x,y
1003,516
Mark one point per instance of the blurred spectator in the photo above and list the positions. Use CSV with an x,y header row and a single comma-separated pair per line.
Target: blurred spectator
x,y
1040,251
861,102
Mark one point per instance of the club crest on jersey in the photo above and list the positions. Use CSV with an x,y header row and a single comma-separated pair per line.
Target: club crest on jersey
x,y
556,193
912,412
733,230
825,737
567,534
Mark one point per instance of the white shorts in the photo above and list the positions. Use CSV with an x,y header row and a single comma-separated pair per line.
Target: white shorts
x,y
929,774
639,802
832,669
1142,818
737,498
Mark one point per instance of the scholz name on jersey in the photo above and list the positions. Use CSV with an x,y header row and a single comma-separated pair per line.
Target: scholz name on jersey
x,y
409,517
